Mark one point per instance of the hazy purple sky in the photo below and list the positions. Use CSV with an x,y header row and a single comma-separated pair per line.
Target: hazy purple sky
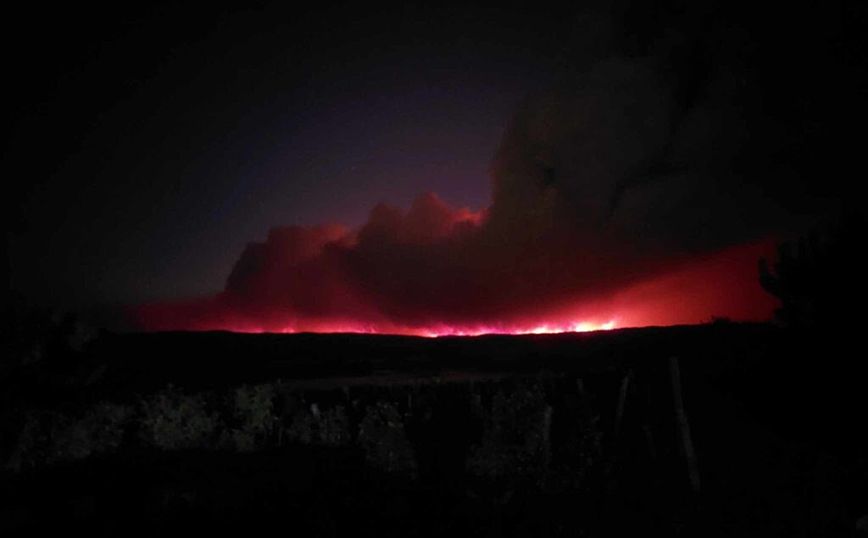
x,y
165,140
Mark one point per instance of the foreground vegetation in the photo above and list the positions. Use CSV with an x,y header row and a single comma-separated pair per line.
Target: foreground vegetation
x,y
502,436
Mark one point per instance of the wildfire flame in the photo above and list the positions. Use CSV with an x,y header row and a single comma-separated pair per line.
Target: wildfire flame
x,y
572,327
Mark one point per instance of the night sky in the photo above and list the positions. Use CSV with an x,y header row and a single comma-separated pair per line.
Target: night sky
x,y
158,156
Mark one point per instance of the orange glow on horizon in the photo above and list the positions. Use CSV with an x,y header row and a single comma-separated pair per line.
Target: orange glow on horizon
x,y
445,330
719,285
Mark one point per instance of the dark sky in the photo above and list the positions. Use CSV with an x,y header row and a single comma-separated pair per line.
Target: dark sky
x,y
149,145
164,140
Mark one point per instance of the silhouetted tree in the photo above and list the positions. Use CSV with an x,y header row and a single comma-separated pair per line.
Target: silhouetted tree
x,y
819,278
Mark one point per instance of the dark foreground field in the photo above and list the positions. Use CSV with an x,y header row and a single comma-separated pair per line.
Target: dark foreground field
x,y
332,435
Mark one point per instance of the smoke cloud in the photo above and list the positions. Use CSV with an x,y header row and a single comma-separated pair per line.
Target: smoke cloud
x,y
639,189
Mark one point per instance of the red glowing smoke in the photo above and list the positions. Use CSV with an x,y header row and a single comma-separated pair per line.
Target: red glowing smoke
x,y
433,271
605,213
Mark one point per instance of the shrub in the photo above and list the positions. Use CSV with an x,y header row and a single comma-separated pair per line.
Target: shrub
x,y
253,407
99,431
384,440
515,436
51,436
312,425
173,420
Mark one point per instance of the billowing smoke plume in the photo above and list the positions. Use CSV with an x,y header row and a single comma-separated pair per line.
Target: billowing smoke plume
x,y
640,188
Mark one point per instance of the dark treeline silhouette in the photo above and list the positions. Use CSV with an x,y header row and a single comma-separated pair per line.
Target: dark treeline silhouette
x,y
817,277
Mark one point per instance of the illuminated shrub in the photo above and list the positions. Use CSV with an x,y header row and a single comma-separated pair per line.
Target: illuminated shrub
x,y
99,431
382,437
312,425
334,426
51,436
253,408
515,435
173,420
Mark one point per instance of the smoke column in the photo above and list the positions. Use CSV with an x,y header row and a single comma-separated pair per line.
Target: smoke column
x,y
640,188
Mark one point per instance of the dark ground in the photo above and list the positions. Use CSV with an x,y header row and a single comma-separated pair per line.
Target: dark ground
x,y
776,418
